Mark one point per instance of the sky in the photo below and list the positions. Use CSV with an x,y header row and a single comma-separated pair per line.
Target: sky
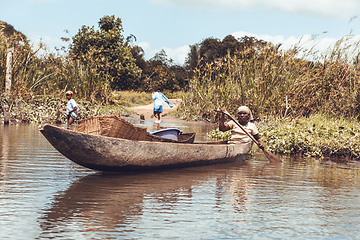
x,y
173,25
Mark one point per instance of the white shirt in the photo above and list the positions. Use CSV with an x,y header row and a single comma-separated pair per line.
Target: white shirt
x,y
71,104
238,135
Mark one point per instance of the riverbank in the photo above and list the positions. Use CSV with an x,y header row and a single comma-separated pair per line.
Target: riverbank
x,y
145,112
316,136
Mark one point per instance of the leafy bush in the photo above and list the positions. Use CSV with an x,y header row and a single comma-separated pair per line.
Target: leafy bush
x,y
318,135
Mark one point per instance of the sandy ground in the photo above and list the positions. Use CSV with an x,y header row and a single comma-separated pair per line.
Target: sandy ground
x,y
147,111
169,120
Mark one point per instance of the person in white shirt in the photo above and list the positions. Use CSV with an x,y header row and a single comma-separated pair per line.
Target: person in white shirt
x,y
71,108
237,134
159,100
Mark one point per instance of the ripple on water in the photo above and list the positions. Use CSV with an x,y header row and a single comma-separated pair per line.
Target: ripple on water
x,y
44,195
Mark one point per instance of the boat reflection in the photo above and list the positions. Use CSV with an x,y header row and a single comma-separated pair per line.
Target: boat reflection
x,y
114,201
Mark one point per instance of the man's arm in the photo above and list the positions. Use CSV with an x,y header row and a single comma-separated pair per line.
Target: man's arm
x,y
259,140
222,125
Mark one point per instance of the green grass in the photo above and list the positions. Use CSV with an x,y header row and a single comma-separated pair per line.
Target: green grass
x,y
317,136
130,98
298,82
41,109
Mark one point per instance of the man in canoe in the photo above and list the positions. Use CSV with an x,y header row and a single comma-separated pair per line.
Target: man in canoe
x,y
71,108
159,100
237,134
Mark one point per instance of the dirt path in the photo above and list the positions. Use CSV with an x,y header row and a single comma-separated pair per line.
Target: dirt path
x,y
199,127
147,111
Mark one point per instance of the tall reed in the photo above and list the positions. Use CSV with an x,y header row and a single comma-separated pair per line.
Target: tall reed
x,y
297,82
41,73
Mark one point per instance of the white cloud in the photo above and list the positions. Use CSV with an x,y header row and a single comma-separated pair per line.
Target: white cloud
x,y
178,54
320,44
149,52
278,39
328,8
316,44
49,41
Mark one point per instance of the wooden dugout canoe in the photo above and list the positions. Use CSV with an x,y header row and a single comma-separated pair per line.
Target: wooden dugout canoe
x,y
111,154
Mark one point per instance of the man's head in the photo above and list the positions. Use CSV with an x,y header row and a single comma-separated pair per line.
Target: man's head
x,y
244,109
69,94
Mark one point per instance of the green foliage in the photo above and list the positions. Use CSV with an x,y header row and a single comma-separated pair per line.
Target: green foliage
x,y
211,49
193,58
273,82
219,135
229,73
28,70
130,98
97,62
316,136
44,109
105,57
162,73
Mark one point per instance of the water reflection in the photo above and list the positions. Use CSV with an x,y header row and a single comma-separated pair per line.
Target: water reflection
x,y
292,197
5,145
48,196
114,201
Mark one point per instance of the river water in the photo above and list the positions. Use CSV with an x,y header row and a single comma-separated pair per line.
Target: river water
x,y
43,195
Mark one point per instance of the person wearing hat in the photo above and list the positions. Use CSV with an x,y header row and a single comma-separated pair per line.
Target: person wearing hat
x,y
237,134
71,108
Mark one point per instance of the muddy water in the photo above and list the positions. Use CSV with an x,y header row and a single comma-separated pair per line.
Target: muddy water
x,y
200,128
43,195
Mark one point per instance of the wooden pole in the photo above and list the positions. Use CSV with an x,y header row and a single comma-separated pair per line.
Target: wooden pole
x,y
58,113
9,69
6,114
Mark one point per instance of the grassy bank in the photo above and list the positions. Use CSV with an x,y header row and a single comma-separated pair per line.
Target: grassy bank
x,y
316,136
41,109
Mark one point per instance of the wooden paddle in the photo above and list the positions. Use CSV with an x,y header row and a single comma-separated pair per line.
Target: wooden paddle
x,y
272,158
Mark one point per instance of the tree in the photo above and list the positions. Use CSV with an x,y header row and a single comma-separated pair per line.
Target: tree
x,y
229,45
163,73
209,49
138,53
25,69
9,37
105,53
193,58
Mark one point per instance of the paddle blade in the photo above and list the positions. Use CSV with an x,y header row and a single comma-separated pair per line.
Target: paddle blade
x,y
271,156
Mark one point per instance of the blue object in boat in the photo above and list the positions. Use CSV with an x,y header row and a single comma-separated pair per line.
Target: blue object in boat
x,y
171,133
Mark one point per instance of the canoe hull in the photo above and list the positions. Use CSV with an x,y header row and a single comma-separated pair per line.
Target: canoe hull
x,y
122,155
